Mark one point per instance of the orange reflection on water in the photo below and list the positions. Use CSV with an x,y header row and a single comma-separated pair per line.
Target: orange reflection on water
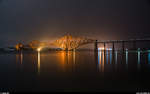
x,y
19,58
39,62
74,57
67,59
101,61
62,58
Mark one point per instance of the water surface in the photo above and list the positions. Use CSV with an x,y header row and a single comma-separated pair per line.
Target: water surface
x,y
75,71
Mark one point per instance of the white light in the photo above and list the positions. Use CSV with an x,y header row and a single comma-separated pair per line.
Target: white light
x,y
39,49
104,48
100,48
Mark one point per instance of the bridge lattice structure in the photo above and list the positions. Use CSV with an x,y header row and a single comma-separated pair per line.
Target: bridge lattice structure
x,y
69,43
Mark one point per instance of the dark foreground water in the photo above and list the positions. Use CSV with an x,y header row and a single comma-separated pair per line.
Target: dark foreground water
x,y
75,71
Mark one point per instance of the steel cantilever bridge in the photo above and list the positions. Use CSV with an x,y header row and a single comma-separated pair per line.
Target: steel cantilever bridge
x,y
70,43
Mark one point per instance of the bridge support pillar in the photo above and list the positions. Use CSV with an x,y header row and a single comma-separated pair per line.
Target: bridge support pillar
x,y
96,46
113,46
104,47
123,44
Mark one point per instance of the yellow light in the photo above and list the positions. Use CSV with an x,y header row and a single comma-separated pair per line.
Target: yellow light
x,y
39,49
39,62
101,48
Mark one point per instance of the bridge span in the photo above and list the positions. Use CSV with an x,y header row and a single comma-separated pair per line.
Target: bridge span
x,y
69,42
123,42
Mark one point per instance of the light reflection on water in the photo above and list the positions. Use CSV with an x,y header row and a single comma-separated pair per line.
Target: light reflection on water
x,y
101,61
68,59
126,56
19,58
39,62
139,56
139,59
110,57
149,57
77,68
107,56
116,56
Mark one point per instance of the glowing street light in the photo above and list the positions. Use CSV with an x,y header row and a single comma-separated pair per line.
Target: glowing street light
x,y
100,48
39,49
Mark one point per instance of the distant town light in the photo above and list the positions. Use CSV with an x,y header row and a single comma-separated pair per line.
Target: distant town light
x,y
100,48
148,50
108,48
104,48
39,49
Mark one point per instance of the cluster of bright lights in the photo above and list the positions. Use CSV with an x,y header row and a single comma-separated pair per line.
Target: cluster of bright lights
x,y
104,48
39,49
108,48
100,48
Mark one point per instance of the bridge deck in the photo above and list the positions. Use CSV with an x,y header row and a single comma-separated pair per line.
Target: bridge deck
x,y
119,41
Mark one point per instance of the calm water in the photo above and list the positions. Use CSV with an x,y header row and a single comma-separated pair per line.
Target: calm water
x,y
75,71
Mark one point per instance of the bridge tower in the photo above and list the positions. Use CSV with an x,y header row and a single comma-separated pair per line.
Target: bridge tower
x,y
123,46
67,42
113,47
104,46
96,46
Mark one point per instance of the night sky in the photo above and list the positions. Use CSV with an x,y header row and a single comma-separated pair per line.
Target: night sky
x,y
26,20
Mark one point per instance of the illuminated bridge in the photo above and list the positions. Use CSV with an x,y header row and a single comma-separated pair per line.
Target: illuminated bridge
x,y
71,43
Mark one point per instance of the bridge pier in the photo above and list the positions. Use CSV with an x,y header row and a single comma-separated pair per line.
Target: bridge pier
x,y
96,46
113,46
123,46
104,47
